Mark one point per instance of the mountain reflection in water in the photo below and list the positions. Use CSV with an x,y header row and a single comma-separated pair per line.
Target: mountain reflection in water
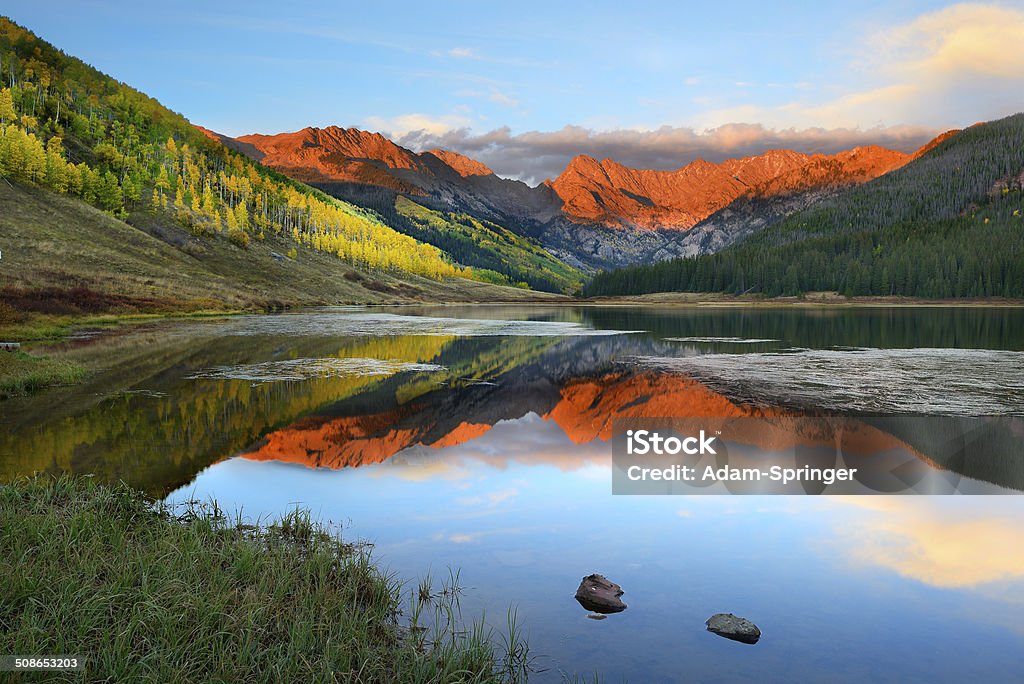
x,y
317,389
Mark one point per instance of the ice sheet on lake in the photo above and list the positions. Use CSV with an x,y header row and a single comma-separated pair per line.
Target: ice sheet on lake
x,y
323,324
729,340
964,382
306,369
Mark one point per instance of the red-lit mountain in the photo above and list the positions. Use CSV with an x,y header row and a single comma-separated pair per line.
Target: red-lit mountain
x,y
609,193
605,192
333,154
595,213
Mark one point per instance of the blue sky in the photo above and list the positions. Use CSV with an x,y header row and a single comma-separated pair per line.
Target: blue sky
x,y
656,83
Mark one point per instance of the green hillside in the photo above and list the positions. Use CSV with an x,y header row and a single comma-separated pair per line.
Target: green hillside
x,y
174,214
946,225
487,245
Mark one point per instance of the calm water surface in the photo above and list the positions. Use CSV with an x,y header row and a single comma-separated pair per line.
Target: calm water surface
x,y
478,438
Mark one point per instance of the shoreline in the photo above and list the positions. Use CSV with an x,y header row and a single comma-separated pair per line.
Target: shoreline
x,y
31,326
810,300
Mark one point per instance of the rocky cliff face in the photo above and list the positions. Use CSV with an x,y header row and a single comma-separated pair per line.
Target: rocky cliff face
x,y
462,164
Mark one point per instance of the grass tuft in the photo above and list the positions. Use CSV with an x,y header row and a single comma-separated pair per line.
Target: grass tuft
x,y
145,593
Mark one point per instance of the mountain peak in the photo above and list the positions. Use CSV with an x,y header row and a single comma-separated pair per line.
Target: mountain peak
x,y
583,163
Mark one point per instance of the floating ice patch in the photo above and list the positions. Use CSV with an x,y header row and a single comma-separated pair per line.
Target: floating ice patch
x,y
307,369
715,340
381,324
960,382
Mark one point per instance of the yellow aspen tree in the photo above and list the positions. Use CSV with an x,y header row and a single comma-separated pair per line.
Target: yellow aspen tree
x,y
163,182
242,215
7,112
229,219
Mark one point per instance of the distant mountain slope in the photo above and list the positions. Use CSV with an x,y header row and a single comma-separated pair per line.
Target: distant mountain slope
x,y
74,131
451,181
779,197
612,194
603,193
595,214
334,154
947,224
487,245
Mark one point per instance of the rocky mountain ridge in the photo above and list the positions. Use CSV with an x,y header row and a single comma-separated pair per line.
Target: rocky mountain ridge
x,y
595,214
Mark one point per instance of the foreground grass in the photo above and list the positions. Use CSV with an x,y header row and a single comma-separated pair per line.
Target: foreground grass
x,y
21,373
144,595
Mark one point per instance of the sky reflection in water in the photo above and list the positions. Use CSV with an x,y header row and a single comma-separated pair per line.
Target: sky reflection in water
x,y
844,588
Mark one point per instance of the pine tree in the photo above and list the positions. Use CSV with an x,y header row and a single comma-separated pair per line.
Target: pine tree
x,y
108,194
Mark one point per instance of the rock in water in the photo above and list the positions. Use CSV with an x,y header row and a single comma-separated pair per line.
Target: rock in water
x,y
733,627
599,594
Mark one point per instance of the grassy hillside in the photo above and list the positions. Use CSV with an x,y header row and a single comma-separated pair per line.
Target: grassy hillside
x,y
62,256
105,189
946,225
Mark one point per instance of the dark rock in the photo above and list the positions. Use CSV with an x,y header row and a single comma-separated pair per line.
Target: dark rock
x,y
732,627
600,595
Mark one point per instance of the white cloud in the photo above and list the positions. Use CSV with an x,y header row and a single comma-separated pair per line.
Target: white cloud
x,y
416,124
462,53
492,94
503,99
968,39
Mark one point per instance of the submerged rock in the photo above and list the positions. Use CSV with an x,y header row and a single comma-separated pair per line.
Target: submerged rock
x,y
600,595
733,627
596,616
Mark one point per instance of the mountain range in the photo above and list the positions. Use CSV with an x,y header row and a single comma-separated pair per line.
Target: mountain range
x,y
595,213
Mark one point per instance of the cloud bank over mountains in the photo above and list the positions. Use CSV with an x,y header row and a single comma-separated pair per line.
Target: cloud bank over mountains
x,y
535,155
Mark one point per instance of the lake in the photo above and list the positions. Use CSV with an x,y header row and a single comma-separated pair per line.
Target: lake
x,y
479,439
